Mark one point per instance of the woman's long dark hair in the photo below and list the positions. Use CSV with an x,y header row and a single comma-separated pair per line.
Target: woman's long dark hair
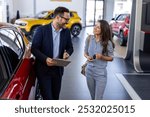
x,y
106,35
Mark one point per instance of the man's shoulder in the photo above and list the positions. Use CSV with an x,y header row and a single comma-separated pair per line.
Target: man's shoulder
x,y
44,27
65,30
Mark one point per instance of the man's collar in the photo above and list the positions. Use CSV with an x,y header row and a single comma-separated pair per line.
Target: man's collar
x,y
53,28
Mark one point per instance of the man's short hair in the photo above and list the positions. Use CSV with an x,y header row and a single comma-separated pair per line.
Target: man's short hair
x,y
60,11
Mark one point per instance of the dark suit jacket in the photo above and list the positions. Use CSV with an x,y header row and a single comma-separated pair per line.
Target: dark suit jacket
x,y
42,47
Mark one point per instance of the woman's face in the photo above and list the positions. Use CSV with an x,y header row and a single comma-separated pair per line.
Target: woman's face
x,y
97,29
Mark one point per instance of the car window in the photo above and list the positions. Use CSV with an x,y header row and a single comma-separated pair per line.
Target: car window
x,y
3,72
124,17
19,42
42,14
71,14
121,17
12,47
13,40
51,16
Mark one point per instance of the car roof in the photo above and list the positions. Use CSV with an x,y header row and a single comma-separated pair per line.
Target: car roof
x,y
3,24
13,27
53,11
8,25
124,14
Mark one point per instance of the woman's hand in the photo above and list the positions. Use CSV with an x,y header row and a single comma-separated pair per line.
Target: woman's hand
x,y
99,56
103,57
89,58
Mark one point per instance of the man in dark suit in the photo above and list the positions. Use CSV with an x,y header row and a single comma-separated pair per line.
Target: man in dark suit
x,y
52,41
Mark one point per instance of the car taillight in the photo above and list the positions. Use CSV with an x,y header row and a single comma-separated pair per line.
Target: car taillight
x,y
126,32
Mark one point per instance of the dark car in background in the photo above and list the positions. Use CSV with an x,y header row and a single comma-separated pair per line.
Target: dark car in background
x,y
120,27
17,76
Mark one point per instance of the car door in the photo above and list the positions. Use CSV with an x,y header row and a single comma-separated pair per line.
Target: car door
x,y
19,70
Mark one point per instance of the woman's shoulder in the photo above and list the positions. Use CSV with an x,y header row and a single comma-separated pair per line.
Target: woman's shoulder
x,y
90,37
110,44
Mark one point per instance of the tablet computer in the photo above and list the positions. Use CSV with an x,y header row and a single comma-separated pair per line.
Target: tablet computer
x,y
62,62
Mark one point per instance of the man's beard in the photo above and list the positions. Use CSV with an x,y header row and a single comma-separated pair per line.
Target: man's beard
x,y
60,25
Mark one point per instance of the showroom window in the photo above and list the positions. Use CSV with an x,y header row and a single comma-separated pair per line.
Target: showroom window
x,y
3,17
94,11
1,11
122,6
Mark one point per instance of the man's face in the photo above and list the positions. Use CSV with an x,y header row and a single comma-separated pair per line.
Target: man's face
x,y
63,19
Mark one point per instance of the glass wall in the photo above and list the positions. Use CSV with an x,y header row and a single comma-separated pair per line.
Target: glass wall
x,y
3,11
94,11
122,6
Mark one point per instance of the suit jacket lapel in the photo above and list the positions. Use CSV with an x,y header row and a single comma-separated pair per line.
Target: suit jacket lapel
x,y
50,40
61,43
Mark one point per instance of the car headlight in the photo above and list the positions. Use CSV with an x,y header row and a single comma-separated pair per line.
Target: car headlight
x,y
21,24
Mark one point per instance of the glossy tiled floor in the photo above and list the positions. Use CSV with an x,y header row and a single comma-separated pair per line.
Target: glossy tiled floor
x,y
123,83
74,85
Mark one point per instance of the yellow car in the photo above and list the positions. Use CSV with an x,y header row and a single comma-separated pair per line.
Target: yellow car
x,y
29,25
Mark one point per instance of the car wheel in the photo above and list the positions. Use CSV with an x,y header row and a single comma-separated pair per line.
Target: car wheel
x,y
75,30
122,41
113,35
38,95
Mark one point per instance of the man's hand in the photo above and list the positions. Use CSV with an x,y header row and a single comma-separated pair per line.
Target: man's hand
x,y
50,62
65,55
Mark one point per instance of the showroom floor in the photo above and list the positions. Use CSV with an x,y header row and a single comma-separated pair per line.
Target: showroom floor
x,y
121,75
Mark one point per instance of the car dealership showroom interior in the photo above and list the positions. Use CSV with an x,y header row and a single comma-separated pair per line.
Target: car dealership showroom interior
x,y
75,32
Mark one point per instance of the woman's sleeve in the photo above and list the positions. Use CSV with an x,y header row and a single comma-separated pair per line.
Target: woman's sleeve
x,y
110,49
86,46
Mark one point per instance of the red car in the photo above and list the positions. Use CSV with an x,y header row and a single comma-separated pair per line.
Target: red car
x,y
120,27
16,66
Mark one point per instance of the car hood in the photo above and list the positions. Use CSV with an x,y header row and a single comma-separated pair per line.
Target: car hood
x,y
28,19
